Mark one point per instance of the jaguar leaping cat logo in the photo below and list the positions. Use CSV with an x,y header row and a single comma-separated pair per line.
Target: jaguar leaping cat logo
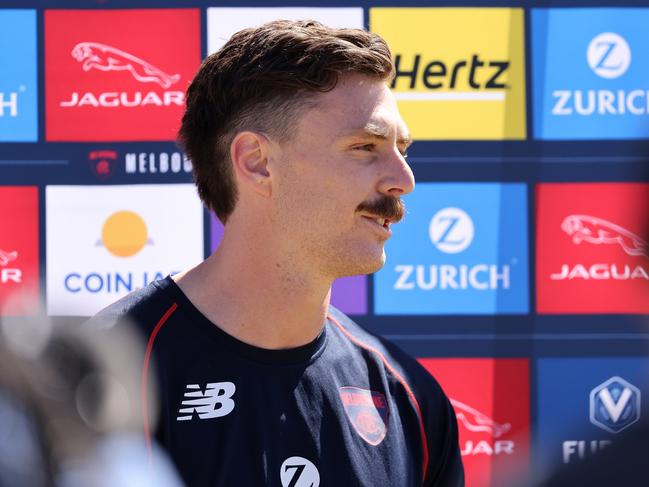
x,y
94,55
586,228
475,421
6,257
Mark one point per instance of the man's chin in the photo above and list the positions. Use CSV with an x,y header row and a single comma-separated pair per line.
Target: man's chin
x,y
365,266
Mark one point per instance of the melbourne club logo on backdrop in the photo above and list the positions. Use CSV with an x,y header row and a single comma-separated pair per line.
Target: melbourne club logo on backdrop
x,y
592,253
367,411
589,78
123,84
462,249
102,163
165,166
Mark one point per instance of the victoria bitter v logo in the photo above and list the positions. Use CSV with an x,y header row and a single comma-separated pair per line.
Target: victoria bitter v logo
x,y
614,405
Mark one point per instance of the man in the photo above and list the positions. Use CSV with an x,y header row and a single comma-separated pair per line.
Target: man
x,y
299,149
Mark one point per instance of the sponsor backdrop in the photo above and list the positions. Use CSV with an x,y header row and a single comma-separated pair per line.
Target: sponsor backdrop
x,y
520,276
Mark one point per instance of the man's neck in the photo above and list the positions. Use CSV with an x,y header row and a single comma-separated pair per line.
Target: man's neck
x,y
257,297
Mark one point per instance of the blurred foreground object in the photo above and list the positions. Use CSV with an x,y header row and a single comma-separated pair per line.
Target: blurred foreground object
x,y
70,410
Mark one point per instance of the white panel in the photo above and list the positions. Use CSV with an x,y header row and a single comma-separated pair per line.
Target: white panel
x,y
223,22
82,272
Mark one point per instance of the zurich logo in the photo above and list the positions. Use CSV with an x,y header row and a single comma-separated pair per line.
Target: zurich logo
x,y
608,55
614,405
451,230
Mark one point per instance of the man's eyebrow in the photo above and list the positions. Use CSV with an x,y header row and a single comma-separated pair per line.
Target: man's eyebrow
x,y
404,138
381,131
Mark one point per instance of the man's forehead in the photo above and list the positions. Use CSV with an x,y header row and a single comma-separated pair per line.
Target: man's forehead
x,y
359,104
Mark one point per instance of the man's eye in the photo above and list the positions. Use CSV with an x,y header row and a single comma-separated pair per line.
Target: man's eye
x,y
404,153
365,147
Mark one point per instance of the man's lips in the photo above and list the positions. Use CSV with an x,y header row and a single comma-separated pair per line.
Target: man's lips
x,y
384,222
380,221
389,208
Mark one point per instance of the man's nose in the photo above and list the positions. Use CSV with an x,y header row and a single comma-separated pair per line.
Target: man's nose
x,y
398,178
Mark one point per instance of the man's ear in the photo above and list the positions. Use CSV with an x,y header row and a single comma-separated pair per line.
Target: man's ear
x,y
249,155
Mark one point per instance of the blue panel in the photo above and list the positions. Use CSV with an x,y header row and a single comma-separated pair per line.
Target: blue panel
x,y
589,73
567,428
18,88
462,249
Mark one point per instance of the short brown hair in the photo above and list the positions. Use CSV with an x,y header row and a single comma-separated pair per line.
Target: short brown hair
x,y
259,81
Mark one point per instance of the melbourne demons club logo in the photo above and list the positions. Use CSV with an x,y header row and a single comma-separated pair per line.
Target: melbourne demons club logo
x,y
102,163
110,83
592,252
368,412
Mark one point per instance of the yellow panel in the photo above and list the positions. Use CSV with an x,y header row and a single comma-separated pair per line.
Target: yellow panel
x,y
469,70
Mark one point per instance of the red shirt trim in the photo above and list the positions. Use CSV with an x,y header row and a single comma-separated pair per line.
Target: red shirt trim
x,y
405,385
145,375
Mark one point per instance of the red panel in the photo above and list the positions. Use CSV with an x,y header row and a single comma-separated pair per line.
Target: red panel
x,y
100,62
492,404
19,250
591,250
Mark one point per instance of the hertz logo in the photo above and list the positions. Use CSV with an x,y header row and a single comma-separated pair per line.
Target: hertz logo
x,y
460,72
472,74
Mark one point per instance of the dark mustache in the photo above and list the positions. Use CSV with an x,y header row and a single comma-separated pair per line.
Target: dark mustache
x,y
389,207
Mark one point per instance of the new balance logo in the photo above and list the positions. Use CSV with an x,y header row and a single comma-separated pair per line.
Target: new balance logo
x,y
215,402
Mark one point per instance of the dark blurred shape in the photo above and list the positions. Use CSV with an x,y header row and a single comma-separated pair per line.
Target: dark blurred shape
x,y
24,445
69,410
625,463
